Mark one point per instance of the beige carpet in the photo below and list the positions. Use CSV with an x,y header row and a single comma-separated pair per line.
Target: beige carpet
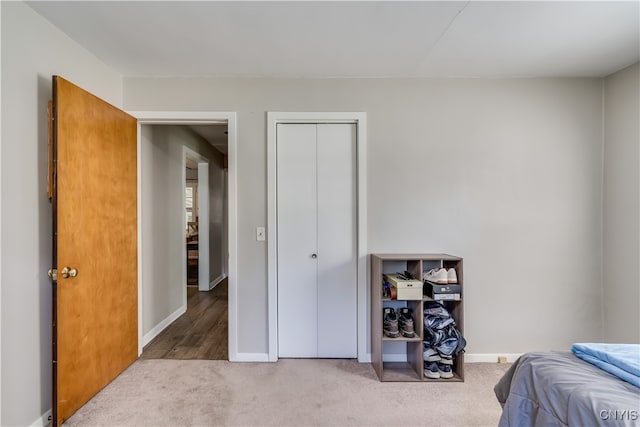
x,y
287,393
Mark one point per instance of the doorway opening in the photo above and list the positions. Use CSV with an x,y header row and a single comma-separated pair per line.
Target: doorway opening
x,y
192,219
185,272
203,198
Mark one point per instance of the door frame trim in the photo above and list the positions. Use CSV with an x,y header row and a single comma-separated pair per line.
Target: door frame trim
x,y
360,120
199,118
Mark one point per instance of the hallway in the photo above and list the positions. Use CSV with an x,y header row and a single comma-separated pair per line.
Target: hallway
x,y
200,333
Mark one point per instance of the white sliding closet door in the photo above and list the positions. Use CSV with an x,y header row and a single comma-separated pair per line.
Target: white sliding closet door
x,y
316,241
297,269
336,198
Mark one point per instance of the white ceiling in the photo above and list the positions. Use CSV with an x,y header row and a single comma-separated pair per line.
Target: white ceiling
x,y
215,134
354,39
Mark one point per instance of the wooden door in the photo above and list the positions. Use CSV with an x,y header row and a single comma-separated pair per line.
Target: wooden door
x,y
316,241
95,324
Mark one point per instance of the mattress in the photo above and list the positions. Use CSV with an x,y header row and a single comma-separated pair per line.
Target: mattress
x,y
559,389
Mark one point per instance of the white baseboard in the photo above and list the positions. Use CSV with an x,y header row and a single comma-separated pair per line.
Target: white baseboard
x,y
250,357
392,357
365,358
146,339
468,357
43,421
215,282
489,357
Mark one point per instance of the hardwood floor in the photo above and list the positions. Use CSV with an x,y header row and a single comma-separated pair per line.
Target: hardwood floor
x,y
200,333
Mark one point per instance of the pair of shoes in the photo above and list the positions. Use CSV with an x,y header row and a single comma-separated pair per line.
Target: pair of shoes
x,y
441,275
436,370
392,322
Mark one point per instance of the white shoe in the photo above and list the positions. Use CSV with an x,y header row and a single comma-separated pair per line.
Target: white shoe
x,y
436,275
452,277
430,355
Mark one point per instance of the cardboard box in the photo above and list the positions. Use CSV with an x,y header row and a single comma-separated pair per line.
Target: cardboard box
x,y
446,297
441,288
443,291
405,289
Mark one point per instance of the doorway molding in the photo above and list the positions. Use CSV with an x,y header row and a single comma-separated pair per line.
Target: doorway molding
x,y
360,120
199,118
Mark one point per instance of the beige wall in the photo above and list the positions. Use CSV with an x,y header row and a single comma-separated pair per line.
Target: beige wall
x,y
32,51
621,207
505,173
163,234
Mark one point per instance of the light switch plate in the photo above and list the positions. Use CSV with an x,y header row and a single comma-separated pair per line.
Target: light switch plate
x,y
260,234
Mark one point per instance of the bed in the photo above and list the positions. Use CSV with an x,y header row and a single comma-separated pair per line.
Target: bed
x,y
560,389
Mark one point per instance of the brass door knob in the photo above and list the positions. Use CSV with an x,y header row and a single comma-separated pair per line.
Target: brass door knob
x,y
68,272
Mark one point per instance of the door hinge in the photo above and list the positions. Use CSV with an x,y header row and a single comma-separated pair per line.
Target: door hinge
x,y
53,274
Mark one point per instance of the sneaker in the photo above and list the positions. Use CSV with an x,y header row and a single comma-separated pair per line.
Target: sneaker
x,y
431,370
444,371
446,359
406,322
452,277
430,355
390,323
436,275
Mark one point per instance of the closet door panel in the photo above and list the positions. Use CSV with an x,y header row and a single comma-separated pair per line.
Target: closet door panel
x,y
297,216
337,300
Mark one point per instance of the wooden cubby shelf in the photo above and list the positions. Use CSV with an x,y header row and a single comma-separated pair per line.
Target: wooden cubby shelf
x,y
401,339
401,359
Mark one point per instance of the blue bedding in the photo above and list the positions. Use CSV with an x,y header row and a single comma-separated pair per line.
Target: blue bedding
x,y
621,360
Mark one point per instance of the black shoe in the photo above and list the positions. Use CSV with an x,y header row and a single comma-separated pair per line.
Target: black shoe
x,y
431,370
406,322
444,370
390,322
446,359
